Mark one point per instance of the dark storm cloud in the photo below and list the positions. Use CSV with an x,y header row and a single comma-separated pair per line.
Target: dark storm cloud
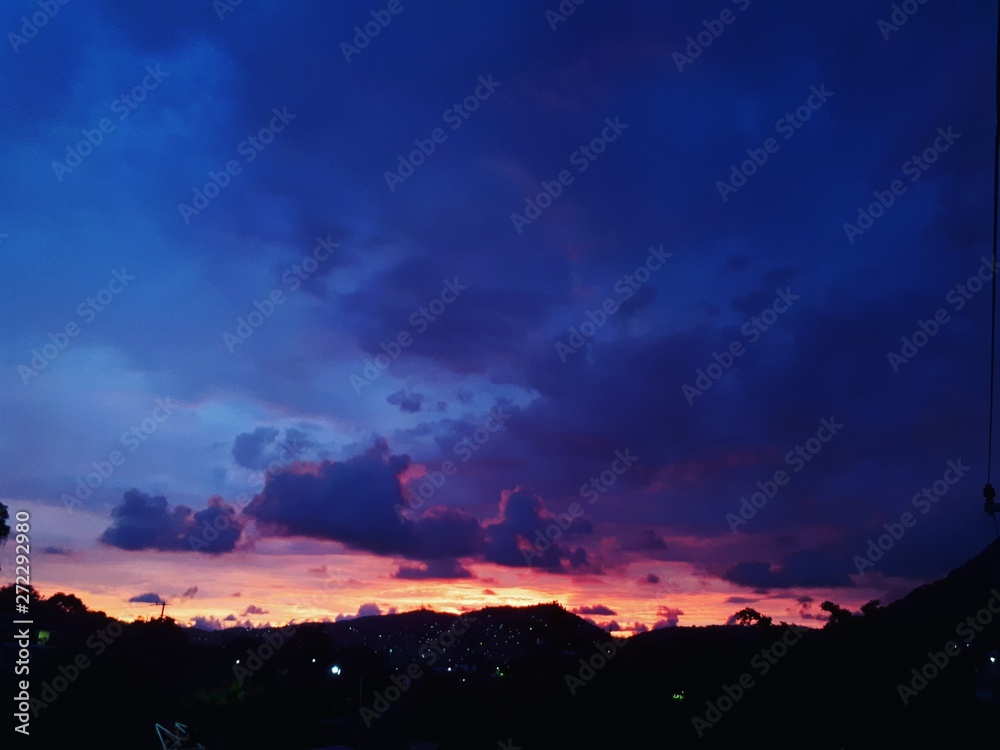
x,y
437,569
146,522
808,568
355,502
517,537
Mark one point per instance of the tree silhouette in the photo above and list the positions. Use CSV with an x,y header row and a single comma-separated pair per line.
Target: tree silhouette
x,y
4,527
750,616
872,608
71,604
838,615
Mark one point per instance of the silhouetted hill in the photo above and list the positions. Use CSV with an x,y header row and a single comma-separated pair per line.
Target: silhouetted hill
x,y
538,676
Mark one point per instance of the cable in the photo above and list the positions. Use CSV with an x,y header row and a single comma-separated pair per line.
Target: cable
x,y
993,316
989,493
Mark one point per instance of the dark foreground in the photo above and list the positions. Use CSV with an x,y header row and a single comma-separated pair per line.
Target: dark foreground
x,y
916,673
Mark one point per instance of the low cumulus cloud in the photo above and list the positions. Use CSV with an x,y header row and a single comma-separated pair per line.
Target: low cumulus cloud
x,y
148,598
356,502
597,609
145,521
670,616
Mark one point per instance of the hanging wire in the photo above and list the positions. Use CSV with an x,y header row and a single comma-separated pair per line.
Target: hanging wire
x,y
988,491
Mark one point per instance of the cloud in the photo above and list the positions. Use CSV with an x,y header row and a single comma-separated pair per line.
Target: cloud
x,y
56,551
262,448
146,522
597,609
408,402
253,610
355,502
511,538
189,592
206,623
649,579
647,540
371,609
812,567
489,592
671,616
148,598
249,447
443,569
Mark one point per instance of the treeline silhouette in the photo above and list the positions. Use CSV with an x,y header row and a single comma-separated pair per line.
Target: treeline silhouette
x,y
538,676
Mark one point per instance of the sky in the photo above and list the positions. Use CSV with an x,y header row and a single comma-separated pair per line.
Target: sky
x,y
655,309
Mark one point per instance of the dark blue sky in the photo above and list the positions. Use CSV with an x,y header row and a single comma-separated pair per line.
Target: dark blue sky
x,y
511,241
